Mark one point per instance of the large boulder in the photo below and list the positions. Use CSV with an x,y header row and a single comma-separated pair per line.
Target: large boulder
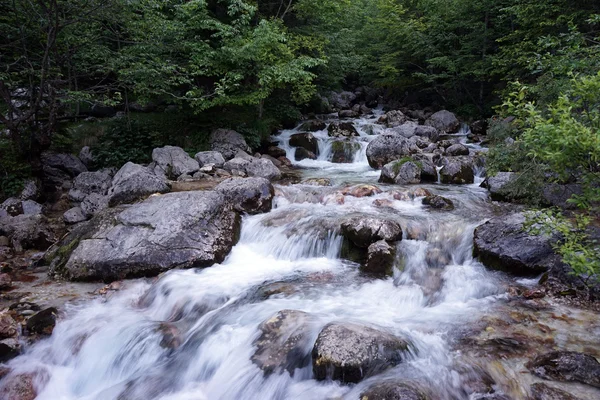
x,y
380,257
343,151
401,172
284,343
228,142
393,118
133,182
503,243
306,141
313,126
173,161
558,195
407,129
342,100
342,129
457,170
428,132
567,366
444,121
387,148
394,390
90,182
497,185
457,149
27,232
175,230
263,168
250,195
210,158
67,163
363,230
350,352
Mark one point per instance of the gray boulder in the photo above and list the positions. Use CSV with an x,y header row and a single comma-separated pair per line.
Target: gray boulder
x,y
457,150
67,163
567,366
93,204
263,168
174,161
27,232
210,157
502,243
558,195
341,100
86,157
380,257
228,142
457,170
428,132
496,185
31,191
349,352
306,141
393,118
348,113
90,182
74,216
284,343
342,129
387,148
444,121
175,230
133,182
31,207
363,231
236,164
401,172
250,195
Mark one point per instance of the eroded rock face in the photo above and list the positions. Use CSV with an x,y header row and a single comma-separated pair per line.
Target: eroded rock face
x,y
401,172
457,170
284,343
185,229
394,390
210,157
306,141
174,161
387,148
380,257
250,195
444,121
502,243
364,230
349,352
228,142
133,182
567,366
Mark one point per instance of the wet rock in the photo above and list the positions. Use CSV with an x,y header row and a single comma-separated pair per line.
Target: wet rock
x,y
438,202
457,170
394,390
174,161
444,121
342,129
93,204
317,182
171,336
502,243
361,191
401,172
343,151
134,182
250,195
209,158
303,154
380,257
479,127
12,206
67,163
263,168
9,349
284,343
43,322
363,230
21,386
349,352
31,191
313,126
393,118
541,391
8,326
567,366
457,150
27,232
227,142
348,113
306,141
90,182
429,172
387,148
175,230
497,185
276,152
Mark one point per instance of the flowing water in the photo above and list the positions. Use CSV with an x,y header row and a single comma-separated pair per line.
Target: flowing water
x,y
116,348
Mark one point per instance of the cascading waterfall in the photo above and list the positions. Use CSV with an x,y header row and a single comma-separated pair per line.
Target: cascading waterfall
x,y
190,334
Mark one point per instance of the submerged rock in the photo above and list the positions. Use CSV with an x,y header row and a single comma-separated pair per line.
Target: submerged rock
x,y
175,230
567,366
364,230
284,343
349,352
502,243
250,195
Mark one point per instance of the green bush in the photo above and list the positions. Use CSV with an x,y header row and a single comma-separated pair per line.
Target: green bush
x,y
13,169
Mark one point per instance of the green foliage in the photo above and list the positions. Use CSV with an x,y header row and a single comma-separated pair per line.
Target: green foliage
x,y
13,169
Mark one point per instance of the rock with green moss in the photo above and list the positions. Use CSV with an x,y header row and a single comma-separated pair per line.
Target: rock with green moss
x,y
344,151
402,172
